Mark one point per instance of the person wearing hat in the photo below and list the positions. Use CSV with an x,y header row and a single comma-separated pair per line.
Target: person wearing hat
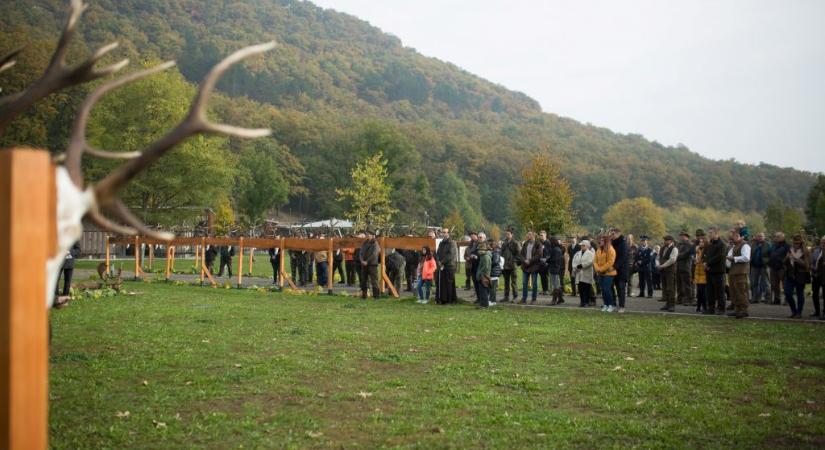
x,y
572,248
683,269
667,271
644,265
713,259
582,272
510,251
738,260
370,256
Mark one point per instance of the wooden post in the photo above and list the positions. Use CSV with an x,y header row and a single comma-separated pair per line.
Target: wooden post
x,y
251,252
151,258
383,263
138,254
240,263
27,238
330,262
170,251
202,258
281,265
195,263
107,255
173,257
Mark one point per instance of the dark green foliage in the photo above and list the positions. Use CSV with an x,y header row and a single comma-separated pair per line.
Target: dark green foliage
x,y
815,207
342,89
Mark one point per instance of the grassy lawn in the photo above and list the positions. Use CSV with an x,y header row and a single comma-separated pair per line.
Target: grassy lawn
x,y
216,368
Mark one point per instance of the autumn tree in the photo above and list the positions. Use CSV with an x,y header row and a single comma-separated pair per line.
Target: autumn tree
x,y
815,207
455,223
543,199
780,217
639,216
369,194
261,185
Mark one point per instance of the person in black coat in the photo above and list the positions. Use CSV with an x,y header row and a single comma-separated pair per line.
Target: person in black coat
x,y
68,270
643,265
275,260
621,264
226,252
713,257
411,257
209,259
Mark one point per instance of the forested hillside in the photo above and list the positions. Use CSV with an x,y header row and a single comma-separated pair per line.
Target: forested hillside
x,y
337,89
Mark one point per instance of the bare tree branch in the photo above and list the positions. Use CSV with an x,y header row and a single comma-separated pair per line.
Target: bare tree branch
x,y
7,60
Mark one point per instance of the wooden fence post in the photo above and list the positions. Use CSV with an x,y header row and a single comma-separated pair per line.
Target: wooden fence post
x,y
27,239
202,258
383,273
251,252
196,262
240,264
138,255
108,263
330,262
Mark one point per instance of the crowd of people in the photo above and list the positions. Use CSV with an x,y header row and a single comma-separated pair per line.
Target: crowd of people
x,y
715,271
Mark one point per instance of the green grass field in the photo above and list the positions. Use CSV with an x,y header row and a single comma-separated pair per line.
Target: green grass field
x,y
217,368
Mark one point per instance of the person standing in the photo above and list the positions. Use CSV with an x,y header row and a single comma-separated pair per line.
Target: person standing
x,y
349,264
396,264
531,253
738,259
496,261
426,269
209,259
760,258
583,272
818,277
776,264
67,270
604,265
446,261
227,252
621,264
545,255
338,265
482,275
699,274
370,256
572,249
683,274
275,261
797,275
643,264
322,265
654,272
411,259
555,269
713,259
666,265
510,251
469,262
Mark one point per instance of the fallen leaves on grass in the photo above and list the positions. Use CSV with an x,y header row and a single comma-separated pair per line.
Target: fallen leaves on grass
x,y
314,434
238,365
765,415
617,368
363,394
158,424
630,358
437,430
122,414
145,383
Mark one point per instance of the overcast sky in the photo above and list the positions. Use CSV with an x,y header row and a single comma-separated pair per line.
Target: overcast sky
x,y
729,79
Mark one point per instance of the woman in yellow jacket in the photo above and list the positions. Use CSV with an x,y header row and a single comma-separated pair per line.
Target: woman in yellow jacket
x,y
603,264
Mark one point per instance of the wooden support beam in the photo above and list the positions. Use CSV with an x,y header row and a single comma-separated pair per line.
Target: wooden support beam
x,y
27,225
108,263
201,260
387,280
174,250
195,263
205,271
383,264
281,265
251,253
330,262
170,252
240,263
138,254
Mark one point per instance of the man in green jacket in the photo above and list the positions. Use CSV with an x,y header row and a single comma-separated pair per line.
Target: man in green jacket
x,y
370,256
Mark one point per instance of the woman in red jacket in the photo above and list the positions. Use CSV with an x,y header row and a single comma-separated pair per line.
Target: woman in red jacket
x,y
426,271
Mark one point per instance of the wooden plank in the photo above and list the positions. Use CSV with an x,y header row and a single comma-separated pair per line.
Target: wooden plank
x,y
138,253
240,264
383,263
410,243
202,258
25,231
311,245
262,243
204,270
281,265
348,242
251,260
108,256
221,241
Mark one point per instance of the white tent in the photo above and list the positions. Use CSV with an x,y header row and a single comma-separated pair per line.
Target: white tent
x,y
328,223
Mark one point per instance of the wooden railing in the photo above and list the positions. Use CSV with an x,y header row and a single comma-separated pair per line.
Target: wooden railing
x,y
283,244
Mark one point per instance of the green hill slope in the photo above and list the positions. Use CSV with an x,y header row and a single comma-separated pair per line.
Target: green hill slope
x,y
337,89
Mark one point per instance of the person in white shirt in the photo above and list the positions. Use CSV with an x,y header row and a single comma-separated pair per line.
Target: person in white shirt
x,y
739,262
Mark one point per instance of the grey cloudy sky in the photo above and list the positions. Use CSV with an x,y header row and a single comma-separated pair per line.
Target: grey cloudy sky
x,y
741,79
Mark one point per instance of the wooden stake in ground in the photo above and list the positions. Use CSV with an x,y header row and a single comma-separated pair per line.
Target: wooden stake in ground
x,y
27,240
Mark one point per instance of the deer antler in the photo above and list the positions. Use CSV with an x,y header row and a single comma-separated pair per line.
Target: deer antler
x,y
106,191
7,60
58,74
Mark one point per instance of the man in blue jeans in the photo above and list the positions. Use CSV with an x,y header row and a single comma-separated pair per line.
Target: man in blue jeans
x,y
531,252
